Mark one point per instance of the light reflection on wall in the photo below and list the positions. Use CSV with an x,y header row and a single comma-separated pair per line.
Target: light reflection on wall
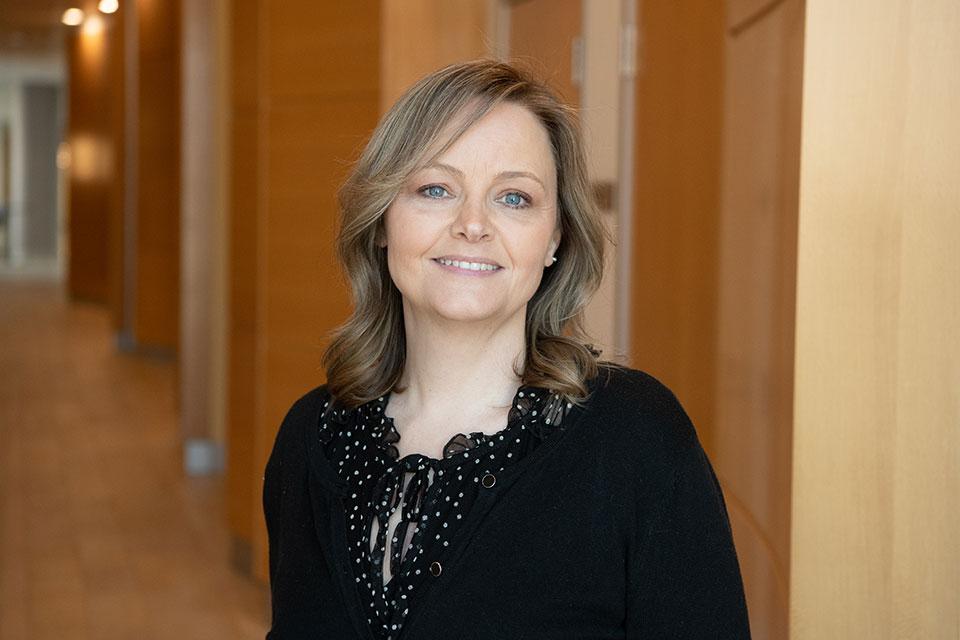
x,y
92,46
90,158
92,26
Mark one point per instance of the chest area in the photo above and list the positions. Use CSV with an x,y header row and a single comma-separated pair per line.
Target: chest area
x,y
545,539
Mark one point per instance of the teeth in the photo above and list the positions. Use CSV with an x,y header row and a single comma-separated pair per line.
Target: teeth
x,y
472,266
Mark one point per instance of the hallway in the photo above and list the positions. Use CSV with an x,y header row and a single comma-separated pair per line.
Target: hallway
x,y
101,535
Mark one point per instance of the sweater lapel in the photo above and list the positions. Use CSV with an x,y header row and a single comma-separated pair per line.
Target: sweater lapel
x,y
326,493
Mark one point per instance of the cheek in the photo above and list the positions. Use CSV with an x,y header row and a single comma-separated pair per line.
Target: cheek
x,y
534,252
396,236
400,272
388,226
392,240
405,247
540,245
404,244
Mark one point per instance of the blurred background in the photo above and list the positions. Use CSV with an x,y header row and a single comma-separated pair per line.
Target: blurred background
x,y
780,179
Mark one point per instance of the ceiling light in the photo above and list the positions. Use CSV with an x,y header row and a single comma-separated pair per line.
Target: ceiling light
x,y
108,6
72,17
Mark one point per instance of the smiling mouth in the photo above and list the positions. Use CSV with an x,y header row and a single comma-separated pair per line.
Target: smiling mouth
x,y
470,266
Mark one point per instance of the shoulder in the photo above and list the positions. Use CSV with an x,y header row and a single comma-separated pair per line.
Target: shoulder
x,y
636,406
304,414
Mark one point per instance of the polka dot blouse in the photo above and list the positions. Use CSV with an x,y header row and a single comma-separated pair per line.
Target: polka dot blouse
x,y
403,513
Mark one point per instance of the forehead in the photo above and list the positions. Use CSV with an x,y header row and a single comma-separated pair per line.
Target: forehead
x,y
508,133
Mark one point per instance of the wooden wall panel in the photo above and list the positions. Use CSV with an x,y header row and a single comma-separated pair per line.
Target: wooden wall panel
x,y
244,198
676,208
543,34
245,51
314,44
319,114
876,476
157,300
743,14
420,36
98,184
752,445
95,134
118,191
305,99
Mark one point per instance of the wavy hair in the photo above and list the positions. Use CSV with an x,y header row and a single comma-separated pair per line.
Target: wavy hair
x,y
366,356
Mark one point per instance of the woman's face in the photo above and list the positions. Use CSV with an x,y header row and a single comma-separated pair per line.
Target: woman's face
x,y
468,237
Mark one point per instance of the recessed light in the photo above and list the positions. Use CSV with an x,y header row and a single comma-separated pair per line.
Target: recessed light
x,y
72,17
108,6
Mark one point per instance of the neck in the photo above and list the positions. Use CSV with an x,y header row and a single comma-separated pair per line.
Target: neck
x,y
453,364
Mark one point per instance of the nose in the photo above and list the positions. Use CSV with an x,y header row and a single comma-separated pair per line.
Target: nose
x,y
472,222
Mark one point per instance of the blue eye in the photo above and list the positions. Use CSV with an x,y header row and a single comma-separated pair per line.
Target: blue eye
x,y
435,191
515,200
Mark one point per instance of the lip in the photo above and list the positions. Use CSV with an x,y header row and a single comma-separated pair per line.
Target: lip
x,y
461,258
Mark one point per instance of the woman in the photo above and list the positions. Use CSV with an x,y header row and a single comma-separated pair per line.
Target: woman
x,y
470,470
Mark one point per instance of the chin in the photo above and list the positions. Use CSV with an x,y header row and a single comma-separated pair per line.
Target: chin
x,y
471,309
465,307
466,314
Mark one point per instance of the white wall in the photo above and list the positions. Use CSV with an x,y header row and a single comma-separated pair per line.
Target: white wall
x,y
14,73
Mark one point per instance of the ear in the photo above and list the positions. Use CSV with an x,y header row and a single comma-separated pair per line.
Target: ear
x,y
552,248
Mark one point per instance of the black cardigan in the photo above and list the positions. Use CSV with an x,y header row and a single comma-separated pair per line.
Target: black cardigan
x,y
614,527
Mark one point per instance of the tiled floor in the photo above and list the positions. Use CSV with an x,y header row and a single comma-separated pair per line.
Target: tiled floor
x,y
101,535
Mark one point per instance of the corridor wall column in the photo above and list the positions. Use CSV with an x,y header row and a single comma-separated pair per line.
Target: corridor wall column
x,y
203,317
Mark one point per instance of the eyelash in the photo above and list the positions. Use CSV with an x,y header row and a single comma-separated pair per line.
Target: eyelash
x,y
523,197
425,191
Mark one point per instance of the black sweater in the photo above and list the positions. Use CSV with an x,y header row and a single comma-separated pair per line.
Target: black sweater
x,y
614,527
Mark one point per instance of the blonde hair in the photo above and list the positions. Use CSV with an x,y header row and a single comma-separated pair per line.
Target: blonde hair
x,y
366,356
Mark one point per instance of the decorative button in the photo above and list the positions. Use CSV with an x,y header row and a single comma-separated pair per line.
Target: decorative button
x,y
435,569
488,480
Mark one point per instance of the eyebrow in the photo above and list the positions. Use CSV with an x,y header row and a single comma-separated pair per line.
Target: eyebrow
x,y
503,175
506,175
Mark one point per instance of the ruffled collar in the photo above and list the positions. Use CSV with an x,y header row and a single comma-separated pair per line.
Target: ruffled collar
x,y
533,408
